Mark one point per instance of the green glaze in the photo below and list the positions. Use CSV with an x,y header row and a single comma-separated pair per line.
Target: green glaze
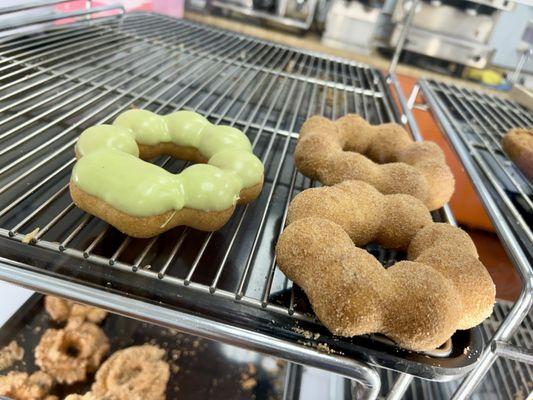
x,y
128,183
185,127
245,165
220,137
210,188
109,167
151,190
109,136
145,126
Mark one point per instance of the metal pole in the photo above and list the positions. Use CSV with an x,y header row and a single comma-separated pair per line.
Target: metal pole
x,y
407,115
507,350
403,37
523,60
293,381
400,386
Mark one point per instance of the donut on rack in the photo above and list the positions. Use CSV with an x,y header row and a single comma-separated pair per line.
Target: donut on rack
x,y
418,303
111,181
383,155
69,354
518,145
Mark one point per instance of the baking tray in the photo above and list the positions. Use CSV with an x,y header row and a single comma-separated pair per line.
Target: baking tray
x,y
200,369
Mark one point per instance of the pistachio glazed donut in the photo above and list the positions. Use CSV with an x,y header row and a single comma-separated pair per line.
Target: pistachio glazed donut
x,y
112,181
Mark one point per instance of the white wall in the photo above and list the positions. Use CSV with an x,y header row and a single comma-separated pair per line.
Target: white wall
x,y
507,35
11,298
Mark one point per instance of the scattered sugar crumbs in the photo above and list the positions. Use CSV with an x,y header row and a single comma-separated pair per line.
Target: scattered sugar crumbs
x,y
10,354
248,381
305,333
322,347
29,237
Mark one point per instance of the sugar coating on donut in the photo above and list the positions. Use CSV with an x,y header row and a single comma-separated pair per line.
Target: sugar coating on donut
x,y
62,310
418,303
518,145
364,213
383,155
86,396
137,372
22,386
69,354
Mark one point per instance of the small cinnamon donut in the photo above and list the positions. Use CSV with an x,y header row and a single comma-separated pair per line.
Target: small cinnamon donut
x,y
69,354
61,310
135,373
89,396
21,386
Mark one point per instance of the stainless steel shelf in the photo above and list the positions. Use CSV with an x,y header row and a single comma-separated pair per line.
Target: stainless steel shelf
x,y
475,123
223,285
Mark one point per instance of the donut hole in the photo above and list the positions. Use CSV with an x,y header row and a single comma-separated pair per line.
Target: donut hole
x,y
385,256
71,347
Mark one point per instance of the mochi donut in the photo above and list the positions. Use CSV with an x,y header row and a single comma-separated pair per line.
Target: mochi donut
x,y
419,303
112,181
518,144
383,155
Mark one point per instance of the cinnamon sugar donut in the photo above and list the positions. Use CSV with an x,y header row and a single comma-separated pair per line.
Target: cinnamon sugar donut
x,y
69,354
383,155
89,396
62,310
135,373
518,144
418,303
21,386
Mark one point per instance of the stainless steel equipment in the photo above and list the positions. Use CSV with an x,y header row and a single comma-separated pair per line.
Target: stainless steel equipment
x,y
293,14
351,25
453,31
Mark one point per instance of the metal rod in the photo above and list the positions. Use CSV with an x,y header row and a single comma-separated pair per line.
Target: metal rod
x,y
403,36
58,16
293,381
503,349
173,253
400,386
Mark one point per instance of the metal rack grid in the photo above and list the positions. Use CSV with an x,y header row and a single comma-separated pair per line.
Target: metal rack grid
x,y
506,379
475,124
55,84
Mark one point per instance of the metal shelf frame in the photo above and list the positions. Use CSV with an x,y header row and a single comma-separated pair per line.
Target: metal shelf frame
x,y
478,115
